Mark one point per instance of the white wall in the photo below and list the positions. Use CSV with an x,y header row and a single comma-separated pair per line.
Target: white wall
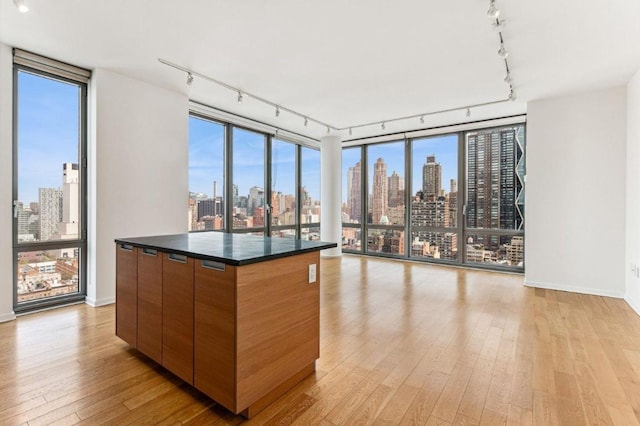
x,y
633,193
138,164
575,196
6,177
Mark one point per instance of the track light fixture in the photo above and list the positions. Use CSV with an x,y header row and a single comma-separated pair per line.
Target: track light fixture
x,y
498,24
22,7
493,11
191,74
502,51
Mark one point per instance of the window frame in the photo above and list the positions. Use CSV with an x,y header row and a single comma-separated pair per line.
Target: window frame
x,y
64,73
461,229
268,229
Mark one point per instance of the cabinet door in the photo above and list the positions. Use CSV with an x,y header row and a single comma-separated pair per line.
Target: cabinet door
x,y
177,315
278,326
214,360
150,303
127,293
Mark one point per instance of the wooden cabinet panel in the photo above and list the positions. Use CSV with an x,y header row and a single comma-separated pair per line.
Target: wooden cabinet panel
x,y
277,328
150,303
126,293
177,315
214,357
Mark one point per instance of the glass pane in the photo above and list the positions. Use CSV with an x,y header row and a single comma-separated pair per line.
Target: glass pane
x,y
389,241
310,181
386,184
47,273
434,186
495,178
283,233
351,238
434,245
283,183
248,179
206,174
311,233
498,250
351,186
48,150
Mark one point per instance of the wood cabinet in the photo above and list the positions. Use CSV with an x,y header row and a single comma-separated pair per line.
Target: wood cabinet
x,y
150,303
243,334
177,315
215,313
127,293
256,330
277,325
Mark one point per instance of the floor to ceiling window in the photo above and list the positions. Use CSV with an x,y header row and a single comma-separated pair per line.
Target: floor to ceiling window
x,y
434,198
49,186
249,207
309,194
464,192
352,189
385,198
283,205
206,174
494,229
275,183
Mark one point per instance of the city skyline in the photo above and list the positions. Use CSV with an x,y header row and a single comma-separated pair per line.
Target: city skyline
x,y
494,201
445,149
206,161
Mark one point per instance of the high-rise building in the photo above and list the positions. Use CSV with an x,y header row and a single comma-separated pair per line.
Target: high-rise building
x,y
50,203
68,226
206,208
380,194
396,190
354,196
431,178
492,186
256,199
234,190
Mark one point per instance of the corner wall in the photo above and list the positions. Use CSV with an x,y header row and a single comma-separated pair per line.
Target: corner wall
x,y
6,189
632,242
575,194
138,163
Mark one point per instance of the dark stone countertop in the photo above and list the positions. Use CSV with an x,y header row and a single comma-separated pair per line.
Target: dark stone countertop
x,y
231,249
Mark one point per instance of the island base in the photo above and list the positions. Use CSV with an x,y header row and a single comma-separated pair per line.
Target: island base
x,y
278,391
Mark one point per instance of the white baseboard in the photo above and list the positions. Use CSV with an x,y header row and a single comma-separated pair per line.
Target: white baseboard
x,y
94,303
9,316
573,289
632,304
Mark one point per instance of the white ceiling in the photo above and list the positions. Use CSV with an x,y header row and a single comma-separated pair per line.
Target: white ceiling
x,y
343,62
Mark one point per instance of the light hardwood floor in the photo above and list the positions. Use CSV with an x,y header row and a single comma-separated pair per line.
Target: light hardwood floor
x,y
401,343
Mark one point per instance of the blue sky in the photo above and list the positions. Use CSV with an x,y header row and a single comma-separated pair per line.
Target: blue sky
x,y
445,148
47,131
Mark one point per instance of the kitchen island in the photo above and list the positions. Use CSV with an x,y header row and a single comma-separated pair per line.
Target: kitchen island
x,y
236,316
